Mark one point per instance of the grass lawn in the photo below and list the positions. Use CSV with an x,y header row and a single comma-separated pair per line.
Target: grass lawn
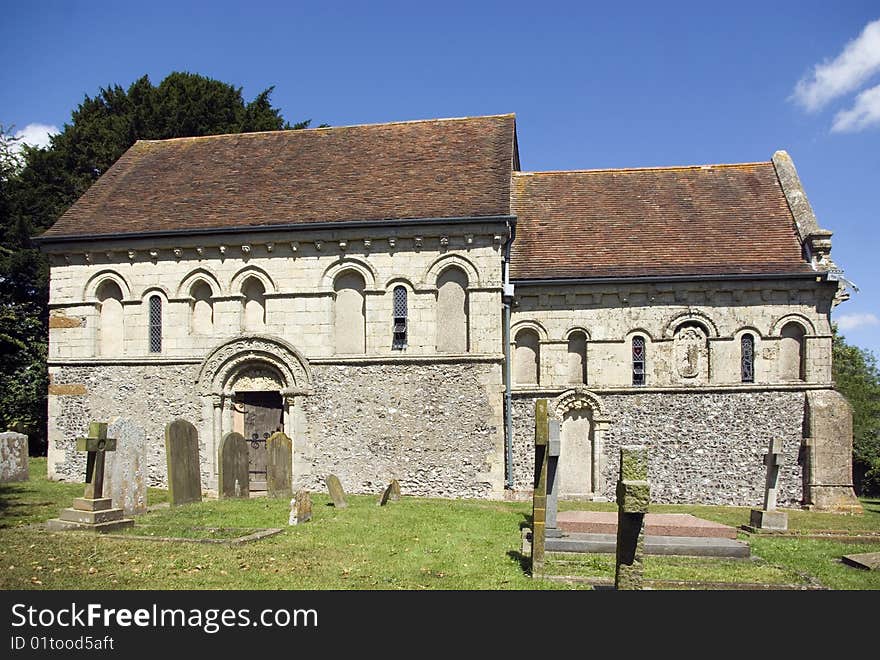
x,y
416,543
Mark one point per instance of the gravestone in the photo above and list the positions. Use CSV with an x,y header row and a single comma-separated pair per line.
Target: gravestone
x,y
336,492
539,496
553,451
279,469
93,512
234,477
300,508
395,490
13,457
182,456
633,497
768,517
125,476
385,496
867,561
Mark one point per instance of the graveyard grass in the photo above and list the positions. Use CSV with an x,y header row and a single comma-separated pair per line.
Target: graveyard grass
x,y
415,543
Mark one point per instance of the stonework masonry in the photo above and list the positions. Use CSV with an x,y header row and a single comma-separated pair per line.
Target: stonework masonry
x,y
704,447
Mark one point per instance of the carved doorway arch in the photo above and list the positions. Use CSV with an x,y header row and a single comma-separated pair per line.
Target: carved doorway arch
x,y
581,462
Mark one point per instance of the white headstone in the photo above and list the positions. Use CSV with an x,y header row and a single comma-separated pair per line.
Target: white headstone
x,y
126,470
13,456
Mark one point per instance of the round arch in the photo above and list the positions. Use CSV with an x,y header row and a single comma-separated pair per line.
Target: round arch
x,y
529,324
803,321
363,268
242,275
448,260
199,274
90,290
699,318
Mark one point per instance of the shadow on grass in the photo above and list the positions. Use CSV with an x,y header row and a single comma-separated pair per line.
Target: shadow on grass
x,y
525,562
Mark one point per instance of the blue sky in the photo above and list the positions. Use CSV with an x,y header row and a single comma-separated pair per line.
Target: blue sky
x,y
593,85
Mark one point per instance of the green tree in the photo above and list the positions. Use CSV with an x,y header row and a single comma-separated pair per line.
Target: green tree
x,y
858,379
39,185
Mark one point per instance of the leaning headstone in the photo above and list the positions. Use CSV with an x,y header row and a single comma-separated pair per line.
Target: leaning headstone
x,y
768,517
279,468
93,512
182,456
633,497
385,496
539,496
13,457
336,492
126,469
300,508
395,490
233,477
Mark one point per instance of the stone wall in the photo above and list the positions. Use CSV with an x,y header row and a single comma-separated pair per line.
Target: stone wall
x,y
704,448
435,427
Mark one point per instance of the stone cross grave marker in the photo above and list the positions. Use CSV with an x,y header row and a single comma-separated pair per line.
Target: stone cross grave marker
x,y
633,497
93,511
768,517
182,456
539,496
336,493
300,508
234,476
279,469
13,457
125,472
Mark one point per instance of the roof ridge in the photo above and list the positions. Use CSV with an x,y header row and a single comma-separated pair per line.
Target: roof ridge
x,y
333,128
644,169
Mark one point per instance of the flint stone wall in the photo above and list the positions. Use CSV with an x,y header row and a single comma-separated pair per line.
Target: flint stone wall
x,y
704,448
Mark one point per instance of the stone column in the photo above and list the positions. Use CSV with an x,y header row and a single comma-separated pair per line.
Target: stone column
x,y
539,496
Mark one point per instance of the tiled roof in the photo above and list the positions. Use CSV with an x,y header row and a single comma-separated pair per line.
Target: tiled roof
x,y
421,169
705,220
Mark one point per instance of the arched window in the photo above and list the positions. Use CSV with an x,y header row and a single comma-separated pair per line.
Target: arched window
x,y
202,309
348,314
577,358
399,319
747,358
155,304
452,311
110,328
791,352
254,304
527,357
638,360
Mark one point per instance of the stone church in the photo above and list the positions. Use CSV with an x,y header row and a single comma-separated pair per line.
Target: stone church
x,y
395,297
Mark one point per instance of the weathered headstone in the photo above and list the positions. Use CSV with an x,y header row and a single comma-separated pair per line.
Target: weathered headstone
x,y
93,511
385,496
826,453
553,452
633,497
395,490
867,561
182,456
279,469
336,492
769,517
125,474
13,457
300,508
539,496
234,476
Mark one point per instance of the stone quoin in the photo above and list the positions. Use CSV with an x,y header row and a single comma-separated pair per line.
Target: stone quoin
x,y
394,298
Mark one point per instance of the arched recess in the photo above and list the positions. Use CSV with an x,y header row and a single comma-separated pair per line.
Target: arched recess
x,y
803,321
243,274
576,364
201,308
583,423
199,274
792,352
453,311
253,312
250,363
111,332
349,313
526,356
364,268
691,351
691,317
448,260
90,290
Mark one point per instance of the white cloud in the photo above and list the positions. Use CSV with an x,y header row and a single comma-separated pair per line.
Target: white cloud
x,y
36,135
853,321
857,62
864,113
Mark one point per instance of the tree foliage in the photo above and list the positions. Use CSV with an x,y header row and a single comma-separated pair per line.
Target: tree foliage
x,y
38,185
858,379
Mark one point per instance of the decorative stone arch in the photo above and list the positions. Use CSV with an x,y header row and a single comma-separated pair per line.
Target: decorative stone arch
x,y
529,324
250,362
750,329
803,321
363,268
199,275
576,328
699,318
90,290
639,331
448,260
155,289
400,280
579,407
243,274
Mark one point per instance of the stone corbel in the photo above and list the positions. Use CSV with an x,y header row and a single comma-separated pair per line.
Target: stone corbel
x,y
246,250
368,244
294,247
417,243
154,255
444,242
270,247
178,253
131,255
819,244
343,245
319,245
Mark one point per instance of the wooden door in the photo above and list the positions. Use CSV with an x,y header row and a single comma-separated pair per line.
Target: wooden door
x,y
263,416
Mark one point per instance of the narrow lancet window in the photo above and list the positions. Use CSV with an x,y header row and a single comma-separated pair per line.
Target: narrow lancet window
x,y
747,354
398,343
155,324
638,360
